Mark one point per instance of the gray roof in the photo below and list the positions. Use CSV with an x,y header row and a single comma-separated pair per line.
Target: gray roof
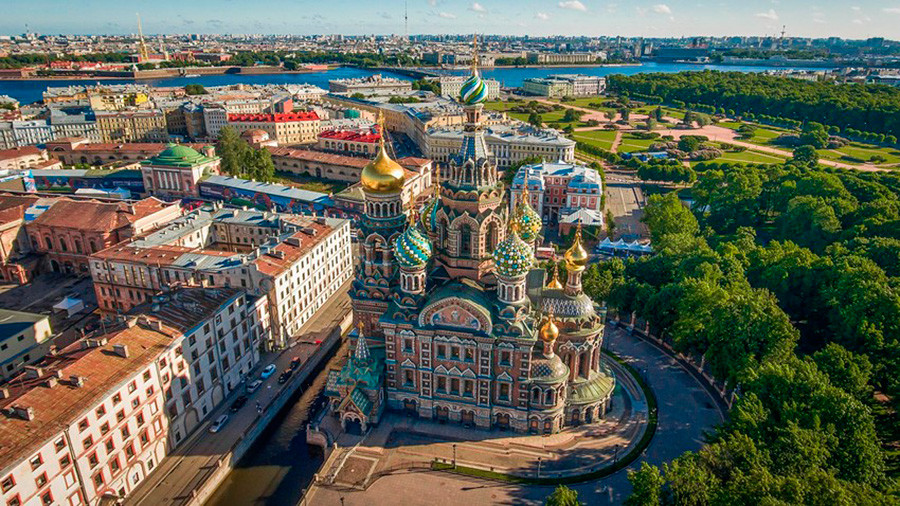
x,y
271,189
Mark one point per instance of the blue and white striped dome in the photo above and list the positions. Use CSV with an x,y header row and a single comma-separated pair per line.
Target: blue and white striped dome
x,y
412,248
474,90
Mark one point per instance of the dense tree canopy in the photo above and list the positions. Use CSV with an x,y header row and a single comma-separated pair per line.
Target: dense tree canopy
x,y
865,107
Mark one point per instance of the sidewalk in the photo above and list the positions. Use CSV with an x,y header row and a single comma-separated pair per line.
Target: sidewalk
x,y
192,463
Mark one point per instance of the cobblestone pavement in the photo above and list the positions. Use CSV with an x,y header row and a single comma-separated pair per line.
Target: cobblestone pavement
x,y
686,413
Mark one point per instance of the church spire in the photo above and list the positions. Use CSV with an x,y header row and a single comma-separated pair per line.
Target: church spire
x,y
361,353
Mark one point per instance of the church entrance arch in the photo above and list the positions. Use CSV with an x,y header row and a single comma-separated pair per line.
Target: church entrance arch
x,y
467,417
410,407
501,421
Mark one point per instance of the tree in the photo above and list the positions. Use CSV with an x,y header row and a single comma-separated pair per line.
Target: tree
x,y
610,115
195,89
572,115
625,113
689,143
646,484
610,224
563,496
535,119
230,150
814,134
806,155
846,370
666,215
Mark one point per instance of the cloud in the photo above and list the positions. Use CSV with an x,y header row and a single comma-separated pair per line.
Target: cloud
x,y
574,5
543,16
771,15
477,7
855,8
432,3
214,22
662,9
447,15
891,10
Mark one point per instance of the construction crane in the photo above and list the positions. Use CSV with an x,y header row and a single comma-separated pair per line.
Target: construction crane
x,y
145,55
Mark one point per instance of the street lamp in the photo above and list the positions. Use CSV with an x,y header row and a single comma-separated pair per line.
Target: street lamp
x,y
616,457
342,500
539,467
454,455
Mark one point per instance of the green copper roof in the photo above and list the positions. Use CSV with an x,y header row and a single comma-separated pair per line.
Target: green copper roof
x,y
178,155
597,388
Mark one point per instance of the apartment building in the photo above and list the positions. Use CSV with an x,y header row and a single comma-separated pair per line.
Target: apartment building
x,y
558,189
295,262
451,86
24,338
132,126
507,143
565,85
284,128
88,423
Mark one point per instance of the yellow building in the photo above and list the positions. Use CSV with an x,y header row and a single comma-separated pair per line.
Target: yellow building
x,y
132,126
287,129
24,339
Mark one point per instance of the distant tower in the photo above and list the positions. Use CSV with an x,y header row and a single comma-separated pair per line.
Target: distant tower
x,y
406,20
145,55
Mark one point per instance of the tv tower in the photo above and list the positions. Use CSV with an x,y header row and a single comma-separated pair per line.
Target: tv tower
x,y
406,19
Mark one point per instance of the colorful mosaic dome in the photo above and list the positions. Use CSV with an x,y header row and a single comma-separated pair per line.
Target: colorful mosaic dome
x,y
513,256
428,219
527,219
412,248
474,90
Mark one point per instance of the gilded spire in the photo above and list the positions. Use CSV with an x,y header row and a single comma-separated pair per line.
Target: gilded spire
x,y
382,175
361,353
554,283
576,256
380,121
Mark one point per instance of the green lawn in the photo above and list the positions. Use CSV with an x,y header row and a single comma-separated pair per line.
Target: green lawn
x,y
631,144
859,151
601,138
747,157
308,182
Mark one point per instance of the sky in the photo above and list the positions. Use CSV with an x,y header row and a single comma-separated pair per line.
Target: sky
x,y
854,19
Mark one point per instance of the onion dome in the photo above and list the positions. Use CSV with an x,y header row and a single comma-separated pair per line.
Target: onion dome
x,y
513,256
383,175
473,90
554,283
576,256
549,331
528,220
412,248
429,212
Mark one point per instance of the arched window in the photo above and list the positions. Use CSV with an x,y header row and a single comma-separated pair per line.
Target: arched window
x,y
465,240
77,246
49,242
93,245
536,395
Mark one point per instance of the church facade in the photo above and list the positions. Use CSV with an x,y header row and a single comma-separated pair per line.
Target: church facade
x,y
449,301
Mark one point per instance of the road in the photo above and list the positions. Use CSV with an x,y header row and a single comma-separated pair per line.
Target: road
x,y
686,412
184,469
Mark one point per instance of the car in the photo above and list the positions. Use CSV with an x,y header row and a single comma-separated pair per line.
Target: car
x,y
238,403
268,371
285,375
218,424
254,386
295,362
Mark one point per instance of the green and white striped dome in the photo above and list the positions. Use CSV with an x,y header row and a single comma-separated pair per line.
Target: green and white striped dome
x,y
412,248
513,256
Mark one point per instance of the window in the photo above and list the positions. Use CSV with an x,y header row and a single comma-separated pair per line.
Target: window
x,y
104,428
132,386
36,461
145,438
100,411
135,402
47,498
129,451
83,425
114,466
8,483
454,386
64,462
454,352
140,419
470,355
60,444
125,432
117,398
110,446
15,501
120,415
504,391
442,384
147,375
98,480
441,351
41,480
93,460
408,345
88,442
505,358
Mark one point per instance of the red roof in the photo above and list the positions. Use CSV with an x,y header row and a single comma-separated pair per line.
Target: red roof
x,y
6,154
272,266
351,135
97,216
275,118
318,156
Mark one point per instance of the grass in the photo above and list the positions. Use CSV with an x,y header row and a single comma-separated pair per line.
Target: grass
x,y
601,138
621,463
750,157
308,182
631,144
859,151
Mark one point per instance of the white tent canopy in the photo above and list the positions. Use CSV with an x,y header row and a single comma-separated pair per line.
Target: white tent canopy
x,y
70,305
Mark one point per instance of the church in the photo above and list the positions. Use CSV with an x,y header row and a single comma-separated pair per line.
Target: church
x,y
456,322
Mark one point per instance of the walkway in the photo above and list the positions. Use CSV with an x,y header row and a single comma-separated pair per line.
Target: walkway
x,y
685,412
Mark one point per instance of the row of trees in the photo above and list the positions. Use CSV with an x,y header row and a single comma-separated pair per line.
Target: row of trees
x,y
784,279
870,108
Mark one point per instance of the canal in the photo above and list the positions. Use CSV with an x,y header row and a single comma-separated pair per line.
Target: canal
x,y
281,465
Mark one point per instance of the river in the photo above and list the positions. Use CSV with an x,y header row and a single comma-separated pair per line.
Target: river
x,y
29,91
280,465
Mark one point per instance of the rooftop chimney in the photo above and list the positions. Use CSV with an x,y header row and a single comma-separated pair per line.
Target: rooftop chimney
x,y
120,350
32,372
25,413
76,381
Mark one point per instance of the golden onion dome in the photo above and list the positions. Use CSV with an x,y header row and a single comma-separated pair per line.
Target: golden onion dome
x,y
383,175
576,256
549,331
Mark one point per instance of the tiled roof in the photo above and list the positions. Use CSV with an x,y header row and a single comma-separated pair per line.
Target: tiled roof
x,y
7,154
55,408
318,156
275,118
351,136
96,216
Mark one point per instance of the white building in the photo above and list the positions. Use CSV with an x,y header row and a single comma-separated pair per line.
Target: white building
x,y
31,132
215,117
559,189
508,143
451,85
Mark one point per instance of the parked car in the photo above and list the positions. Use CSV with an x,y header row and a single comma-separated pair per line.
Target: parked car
x,y
295,362
238,403
218,424
254,386
285,375
268,371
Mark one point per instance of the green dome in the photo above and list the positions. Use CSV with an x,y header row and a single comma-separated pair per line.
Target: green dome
x,y
428,218
178,155
412,248
528,220
513,256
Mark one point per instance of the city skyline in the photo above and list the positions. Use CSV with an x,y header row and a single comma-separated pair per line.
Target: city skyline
x,y
649,18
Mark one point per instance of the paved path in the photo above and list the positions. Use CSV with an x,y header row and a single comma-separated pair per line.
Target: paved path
x,y
194,460
685,412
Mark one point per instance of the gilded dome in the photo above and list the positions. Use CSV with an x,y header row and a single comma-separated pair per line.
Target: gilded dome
x,y
554,283
549,331
412,248
383,175
513,256
528,220
576,256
